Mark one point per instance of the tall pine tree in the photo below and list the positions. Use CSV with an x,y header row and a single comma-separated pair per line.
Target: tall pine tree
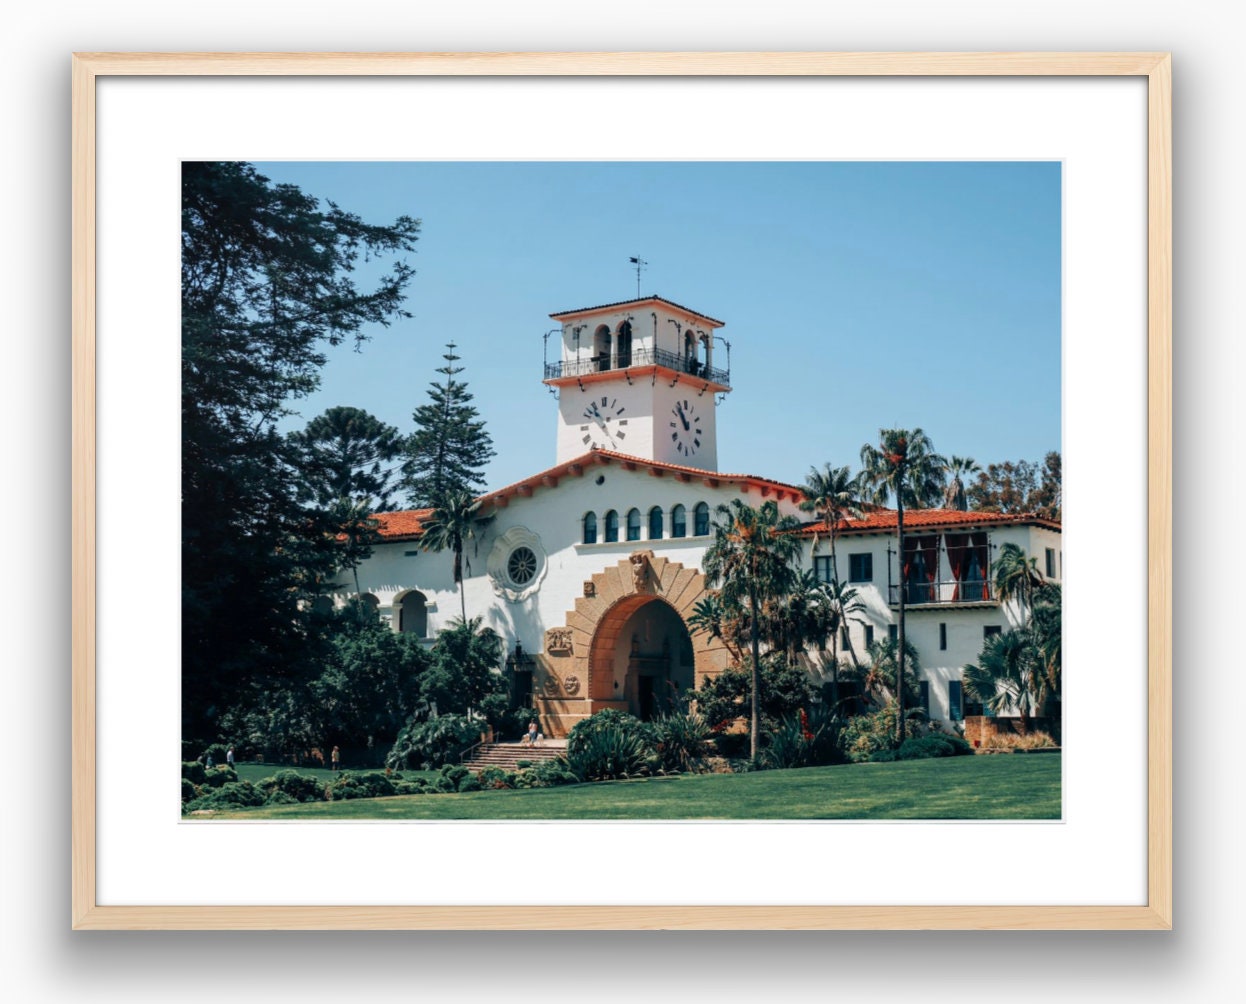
x,y
450,447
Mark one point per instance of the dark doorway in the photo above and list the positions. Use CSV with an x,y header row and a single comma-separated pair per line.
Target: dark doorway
x,y
645,698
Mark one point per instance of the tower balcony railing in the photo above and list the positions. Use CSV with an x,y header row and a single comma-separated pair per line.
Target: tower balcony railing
x,y
943,591
638,357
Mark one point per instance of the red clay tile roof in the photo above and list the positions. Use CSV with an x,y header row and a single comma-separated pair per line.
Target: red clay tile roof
x,y
628,303
405,525
549,478
885,520
409,525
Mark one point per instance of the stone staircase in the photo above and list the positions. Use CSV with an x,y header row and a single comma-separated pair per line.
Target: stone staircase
x,y
508,755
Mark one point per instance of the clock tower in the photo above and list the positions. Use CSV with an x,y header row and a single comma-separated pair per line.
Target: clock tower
x,y
638,377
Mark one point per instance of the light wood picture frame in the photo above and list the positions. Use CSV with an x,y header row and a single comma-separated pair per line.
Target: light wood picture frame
x,y
1156,913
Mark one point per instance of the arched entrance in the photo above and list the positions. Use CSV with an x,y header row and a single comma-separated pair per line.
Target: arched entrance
x,y
590,663
642,648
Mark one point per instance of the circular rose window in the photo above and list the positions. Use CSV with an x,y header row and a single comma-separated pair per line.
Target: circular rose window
x,y
521,566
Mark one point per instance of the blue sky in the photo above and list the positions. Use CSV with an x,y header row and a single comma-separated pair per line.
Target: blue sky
x,y
856,295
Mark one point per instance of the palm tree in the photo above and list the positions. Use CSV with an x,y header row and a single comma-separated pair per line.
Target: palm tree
x,y
751,560
843,604
956,470
903,465
1016,578
455,520
834,496
1007,676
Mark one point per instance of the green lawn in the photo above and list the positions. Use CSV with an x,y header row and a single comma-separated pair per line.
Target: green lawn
x,y
970,787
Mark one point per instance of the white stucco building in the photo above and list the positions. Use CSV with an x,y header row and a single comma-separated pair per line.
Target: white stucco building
x,y
590,569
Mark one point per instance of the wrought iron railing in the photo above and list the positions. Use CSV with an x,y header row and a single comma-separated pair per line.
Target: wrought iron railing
x,y
638,357
942,591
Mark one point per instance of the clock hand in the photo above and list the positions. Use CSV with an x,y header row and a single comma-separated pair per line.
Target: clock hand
x,y
680,410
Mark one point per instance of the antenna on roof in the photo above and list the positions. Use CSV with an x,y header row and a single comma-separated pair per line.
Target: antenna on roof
x,y
639,263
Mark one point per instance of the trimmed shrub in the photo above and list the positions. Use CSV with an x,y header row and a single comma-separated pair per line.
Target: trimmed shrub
x,y
188,791
496,777
469,783
235,794
192,771
545,774
411,788
218,777
298,786
873,732
371,785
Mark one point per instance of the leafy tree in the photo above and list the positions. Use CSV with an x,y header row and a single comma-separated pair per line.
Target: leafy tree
x,y
465,668
344,458
878,676
370,685
750,559
1019,487
454,521
266,284
957,469
782,690
450,447
905,466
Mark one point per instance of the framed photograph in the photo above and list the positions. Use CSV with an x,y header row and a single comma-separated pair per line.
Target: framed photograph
x,y
429,667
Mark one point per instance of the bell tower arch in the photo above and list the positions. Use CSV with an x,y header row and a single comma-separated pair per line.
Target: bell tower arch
x,y
639,377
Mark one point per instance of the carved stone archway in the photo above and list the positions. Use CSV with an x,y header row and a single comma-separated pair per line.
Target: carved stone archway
x,y
578,657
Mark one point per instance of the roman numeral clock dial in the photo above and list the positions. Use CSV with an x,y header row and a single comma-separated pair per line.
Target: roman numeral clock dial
x,y
685,428
605,427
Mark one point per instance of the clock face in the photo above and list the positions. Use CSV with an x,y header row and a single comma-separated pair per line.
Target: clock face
x,y
604,425
686,428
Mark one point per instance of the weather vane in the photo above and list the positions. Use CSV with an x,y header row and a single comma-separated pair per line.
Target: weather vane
x,y
639,263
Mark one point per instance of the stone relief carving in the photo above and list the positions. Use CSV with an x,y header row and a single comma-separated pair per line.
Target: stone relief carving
x,y
572,685
558,641
590,589
640,569
551,686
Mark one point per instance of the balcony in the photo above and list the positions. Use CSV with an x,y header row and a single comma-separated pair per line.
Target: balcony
x,y
639,357
943,593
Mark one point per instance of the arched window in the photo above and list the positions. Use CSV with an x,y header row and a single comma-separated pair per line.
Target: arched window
x,y
590,528
690,352
679,521
623,347
601,349
612,526
655,523
633,524
372,605
413,614
701,520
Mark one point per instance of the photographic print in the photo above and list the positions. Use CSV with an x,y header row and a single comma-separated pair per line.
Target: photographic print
x,y
621,490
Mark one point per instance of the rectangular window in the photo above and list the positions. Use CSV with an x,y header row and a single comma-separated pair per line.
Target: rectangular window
x,y
954,709
869,635
843,638
822,568
893,632
861,567
923,696
943,637
990,630
1051,562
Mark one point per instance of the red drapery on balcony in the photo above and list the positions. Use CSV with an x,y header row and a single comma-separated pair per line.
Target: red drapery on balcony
x,y
957,545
